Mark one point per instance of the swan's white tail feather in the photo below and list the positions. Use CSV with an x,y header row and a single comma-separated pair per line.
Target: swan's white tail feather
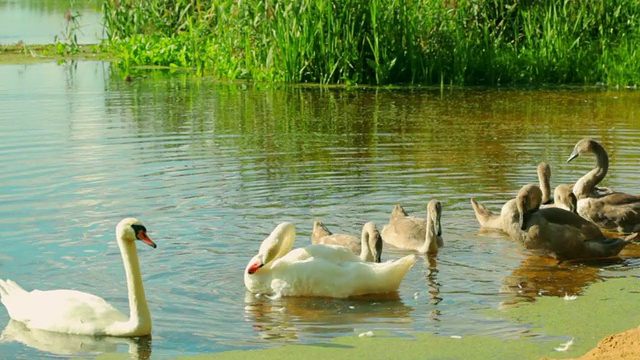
x,y
10,288
397,269
405,263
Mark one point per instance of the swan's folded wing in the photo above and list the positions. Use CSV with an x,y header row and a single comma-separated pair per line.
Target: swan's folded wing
x,y
331,253
406,233
67,311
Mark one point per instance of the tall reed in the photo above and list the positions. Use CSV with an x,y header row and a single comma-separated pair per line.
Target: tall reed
x,y
463,42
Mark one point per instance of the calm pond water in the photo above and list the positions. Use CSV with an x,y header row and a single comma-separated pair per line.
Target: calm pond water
x,y
40,21
211,169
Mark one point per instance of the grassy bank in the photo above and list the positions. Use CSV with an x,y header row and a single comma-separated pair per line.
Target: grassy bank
x,y
466,42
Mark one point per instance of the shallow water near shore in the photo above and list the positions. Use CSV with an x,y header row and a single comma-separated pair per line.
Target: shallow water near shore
x,y
210,169
571,327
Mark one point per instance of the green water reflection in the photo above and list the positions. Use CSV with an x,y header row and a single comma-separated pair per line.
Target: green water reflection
x,y
487,135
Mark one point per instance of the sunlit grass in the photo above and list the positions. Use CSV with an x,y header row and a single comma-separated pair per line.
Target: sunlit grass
x,y
383,41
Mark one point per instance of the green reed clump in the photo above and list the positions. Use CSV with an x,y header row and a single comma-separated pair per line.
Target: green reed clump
x,y
67,42
461,42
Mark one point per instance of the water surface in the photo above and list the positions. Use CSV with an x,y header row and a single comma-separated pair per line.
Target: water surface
x,y
211,169
43,21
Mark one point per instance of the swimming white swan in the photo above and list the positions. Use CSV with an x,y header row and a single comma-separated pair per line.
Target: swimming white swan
x,y
368,247
75,312
318,270
414,233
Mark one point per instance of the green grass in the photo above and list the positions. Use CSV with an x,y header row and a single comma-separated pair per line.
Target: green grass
x,y
383,42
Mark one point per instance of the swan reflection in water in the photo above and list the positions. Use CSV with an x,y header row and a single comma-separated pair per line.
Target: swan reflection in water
x,y
295,318
67,344
431,275
542,276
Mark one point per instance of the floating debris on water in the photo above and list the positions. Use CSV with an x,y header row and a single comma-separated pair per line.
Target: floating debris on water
x,y
565,346
572,297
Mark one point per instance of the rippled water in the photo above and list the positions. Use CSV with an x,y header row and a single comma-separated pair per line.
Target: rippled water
x,y
211,169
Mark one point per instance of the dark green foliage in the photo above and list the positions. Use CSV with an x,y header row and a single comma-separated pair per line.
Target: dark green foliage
x,y
381,42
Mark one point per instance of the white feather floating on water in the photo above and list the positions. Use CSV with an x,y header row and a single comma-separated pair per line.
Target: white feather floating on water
x,y
366,334
565,346
568,298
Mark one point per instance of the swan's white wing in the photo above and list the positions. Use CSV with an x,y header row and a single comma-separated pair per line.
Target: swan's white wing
x,y
332,253
325,270
67,311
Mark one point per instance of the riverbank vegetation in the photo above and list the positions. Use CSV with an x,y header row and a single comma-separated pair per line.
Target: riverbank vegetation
x,y
426,42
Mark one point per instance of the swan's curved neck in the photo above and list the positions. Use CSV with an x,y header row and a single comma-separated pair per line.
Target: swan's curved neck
x,y
586,185
366,253
140,316
430,245
545,186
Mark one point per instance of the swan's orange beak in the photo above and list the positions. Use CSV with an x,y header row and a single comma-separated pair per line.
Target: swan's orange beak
x,y
253,268
142,236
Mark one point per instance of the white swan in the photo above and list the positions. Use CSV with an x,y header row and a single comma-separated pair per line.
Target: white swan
x,y
318,270
414,233
368,247
75,312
